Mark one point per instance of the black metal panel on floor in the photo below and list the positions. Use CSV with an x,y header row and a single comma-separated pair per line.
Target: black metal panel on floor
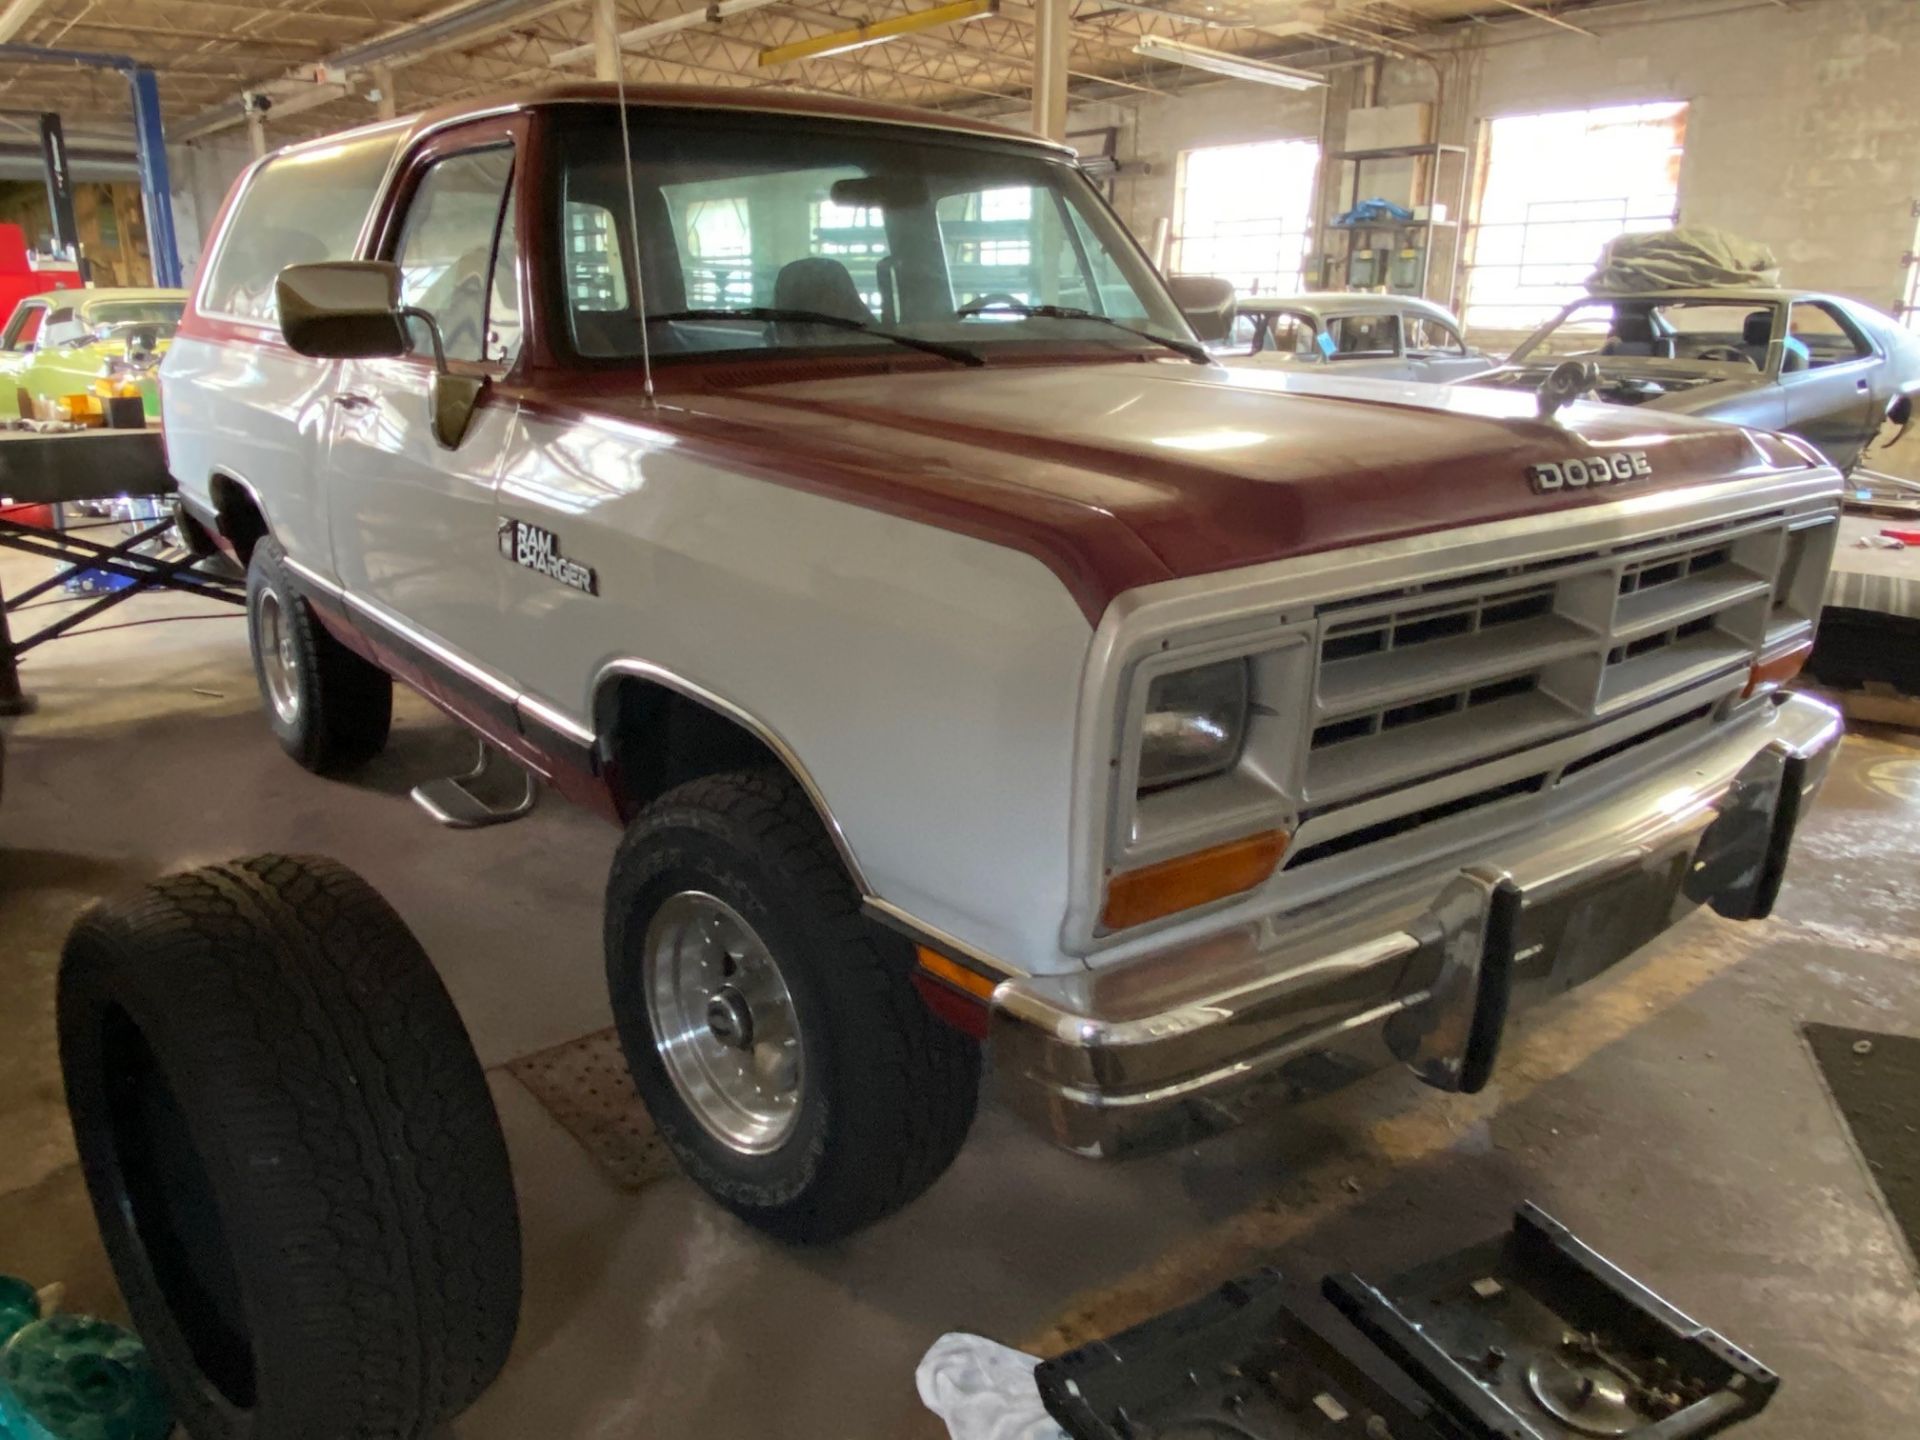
x,y
1240,1362
1529,1336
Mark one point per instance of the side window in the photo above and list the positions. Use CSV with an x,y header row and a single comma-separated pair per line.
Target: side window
x,y
62,327
1426,336
1363,335
305,206
24,326
1290,334
1819,335
1241,337
457,255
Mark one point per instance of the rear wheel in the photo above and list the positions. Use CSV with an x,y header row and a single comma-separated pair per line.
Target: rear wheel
x,y
772,1030
329,708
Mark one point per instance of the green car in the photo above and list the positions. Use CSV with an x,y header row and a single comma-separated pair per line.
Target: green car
x,y
87,342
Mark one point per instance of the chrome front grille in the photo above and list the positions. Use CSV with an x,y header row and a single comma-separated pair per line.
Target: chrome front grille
x,y
1438,678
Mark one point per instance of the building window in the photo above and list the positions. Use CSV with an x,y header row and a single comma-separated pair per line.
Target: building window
x,y
1553,189
719,259
856,236
1243,212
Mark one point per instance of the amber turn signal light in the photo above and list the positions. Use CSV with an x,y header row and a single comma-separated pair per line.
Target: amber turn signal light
x,y
961,997
979,986
1774,671
1137,896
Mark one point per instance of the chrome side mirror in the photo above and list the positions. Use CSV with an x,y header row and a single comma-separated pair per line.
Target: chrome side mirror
x,y
351,310
342,309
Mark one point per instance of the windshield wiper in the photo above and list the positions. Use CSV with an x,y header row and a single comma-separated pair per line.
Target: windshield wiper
x,y
1193,352
781,316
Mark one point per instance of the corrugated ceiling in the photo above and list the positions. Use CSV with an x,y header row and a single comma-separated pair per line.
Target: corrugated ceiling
x,y
208,52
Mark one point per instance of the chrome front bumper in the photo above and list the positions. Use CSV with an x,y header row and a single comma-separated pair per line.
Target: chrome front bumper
x,y
1423,968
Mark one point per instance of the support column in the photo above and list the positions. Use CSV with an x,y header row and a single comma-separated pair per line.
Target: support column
x,y
156,187
1052,31
387,106
606,40
256,132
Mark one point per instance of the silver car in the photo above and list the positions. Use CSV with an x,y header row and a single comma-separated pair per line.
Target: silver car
x,y
1827,369
1387,337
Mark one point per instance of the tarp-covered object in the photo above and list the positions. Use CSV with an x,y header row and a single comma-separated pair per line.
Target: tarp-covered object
x,y
1692,257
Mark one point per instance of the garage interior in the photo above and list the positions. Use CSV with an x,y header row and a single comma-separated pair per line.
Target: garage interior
x,y
1671,1112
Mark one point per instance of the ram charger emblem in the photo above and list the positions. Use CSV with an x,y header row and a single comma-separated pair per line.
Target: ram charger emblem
x,y
539,551
1579,473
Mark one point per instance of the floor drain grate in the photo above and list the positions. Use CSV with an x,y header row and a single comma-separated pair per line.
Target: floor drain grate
x,y
585,1086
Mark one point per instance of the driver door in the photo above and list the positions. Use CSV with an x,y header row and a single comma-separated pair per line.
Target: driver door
x,y
1829,389
414,523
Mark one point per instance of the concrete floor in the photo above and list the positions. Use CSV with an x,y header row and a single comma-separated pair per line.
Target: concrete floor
x,y
1669,1112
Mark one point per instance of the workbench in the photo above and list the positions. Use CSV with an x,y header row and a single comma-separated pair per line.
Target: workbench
x,y
38,468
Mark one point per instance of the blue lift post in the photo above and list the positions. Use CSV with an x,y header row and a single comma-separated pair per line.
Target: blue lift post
x,y
150,145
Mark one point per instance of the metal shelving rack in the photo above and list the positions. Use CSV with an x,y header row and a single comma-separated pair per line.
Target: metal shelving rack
x,y
1427,181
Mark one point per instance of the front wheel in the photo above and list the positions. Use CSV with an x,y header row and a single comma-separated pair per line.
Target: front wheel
x,y
773,1032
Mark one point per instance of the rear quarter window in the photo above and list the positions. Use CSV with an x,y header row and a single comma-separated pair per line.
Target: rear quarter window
x,y
305,206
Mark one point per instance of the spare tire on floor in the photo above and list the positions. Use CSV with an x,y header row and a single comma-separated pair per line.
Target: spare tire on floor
x,y
297,1168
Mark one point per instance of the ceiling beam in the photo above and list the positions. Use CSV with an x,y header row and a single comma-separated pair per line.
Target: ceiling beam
x,y
14,18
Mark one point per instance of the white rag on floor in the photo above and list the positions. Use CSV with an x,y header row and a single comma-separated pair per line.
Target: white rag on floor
x,y
984,1391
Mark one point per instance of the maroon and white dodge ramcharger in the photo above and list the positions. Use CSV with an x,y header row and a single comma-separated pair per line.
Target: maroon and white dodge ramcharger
x,y
837,499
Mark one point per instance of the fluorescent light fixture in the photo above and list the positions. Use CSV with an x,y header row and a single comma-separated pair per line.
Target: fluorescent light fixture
x,y
861,36
1234,67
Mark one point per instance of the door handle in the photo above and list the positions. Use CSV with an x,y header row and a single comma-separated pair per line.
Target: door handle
x,y
1862,386
353,400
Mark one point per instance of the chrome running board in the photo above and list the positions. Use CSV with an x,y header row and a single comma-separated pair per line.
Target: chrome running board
x,y
458,801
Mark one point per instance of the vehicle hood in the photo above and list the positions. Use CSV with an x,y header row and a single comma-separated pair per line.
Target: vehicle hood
x,y
1127,473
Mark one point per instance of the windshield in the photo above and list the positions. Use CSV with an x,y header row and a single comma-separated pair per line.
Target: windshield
x,y
115,315
1730,335
930,237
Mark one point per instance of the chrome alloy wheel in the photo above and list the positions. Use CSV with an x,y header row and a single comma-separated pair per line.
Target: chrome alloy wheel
x,y
279,662
723,1022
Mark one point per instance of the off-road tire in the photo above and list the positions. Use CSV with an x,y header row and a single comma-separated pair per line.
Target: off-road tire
x,y
888,1093
292,1154
345,702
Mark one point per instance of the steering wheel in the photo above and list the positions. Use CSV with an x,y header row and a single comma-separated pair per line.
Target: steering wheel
x,y
996,300
1725,352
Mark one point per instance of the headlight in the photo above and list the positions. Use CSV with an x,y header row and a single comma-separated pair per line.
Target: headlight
x,y
1194,724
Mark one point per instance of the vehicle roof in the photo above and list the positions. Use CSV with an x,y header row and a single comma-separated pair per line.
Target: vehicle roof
x,y
1346,302
687,97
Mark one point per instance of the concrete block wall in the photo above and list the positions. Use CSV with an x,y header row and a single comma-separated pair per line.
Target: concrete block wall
x,y
202,171
1803,128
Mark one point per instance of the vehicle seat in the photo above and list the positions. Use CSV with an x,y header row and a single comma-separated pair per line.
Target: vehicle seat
x,y
1633,335
820,283
1755,335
